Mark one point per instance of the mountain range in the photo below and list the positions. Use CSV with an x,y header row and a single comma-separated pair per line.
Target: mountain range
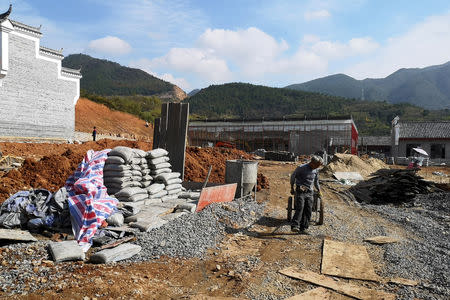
x,y
425,87
107,78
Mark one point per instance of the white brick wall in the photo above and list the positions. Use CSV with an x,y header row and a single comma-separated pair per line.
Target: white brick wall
x,y
34,100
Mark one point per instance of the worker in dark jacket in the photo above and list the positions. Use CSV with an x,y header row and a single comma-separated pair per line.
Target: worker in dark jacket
x,y
94,134
304,177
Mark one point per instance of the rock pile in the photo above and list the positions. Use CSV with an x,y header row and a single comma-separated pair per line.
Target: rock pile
x,y
391,186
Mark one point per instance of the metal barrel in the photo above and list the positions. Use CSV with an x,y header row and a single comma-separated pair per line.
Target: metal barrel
x,y
242,172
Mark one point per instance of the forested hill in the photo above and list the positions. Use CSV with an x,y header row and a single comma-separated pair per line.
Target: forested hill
x,y
427,87
106,78
242,100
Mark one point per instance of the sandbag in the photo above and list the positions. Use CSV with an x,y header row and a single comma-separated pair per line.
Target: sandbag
x,y
140,153
189,195
174,191
136,173
160,171
161,166
147,178
110,173
145,172
112,180
115,220
155,188
173,186
158,160
116,167
158,194
145,184
174,180
136,167
157,153
125,152
166,176
169,197
122,185
133,198
114,160
129,191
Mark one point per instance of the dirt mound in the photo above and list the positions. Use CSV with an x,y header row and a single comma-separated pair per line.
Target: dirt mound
x,y
352,163
49,165
89,114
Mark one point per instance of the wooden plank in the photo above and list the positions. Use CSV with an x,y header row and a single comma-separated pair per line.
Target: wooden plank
x,y
163,126
173,136
184,124
16,235
221,193
380,240
404,281
348,289
319,294
157,133
347,260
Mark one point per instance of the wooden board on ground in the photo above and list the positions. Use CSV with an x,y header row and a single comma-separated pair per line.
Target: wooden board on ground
x,y
404,281
16,235
347,260
380,240
319,294
348,289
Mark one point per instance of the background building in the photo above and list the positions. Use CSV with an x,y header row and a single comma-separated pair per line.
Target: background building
x,y
37,95
295,135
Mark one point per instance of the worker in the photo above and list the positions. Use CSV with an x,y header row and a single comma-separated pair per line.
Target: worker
x,y
94,134
304,177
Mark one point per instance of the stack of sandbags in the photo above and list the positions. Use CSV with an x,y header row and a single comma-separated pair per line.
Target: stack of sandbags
x,y
167,184
126,173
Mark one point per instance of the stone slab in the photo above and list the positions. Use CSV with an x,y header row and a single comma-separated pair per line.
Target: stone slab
x,y
380,240
16,235
121,252
319,294
347,260
66,251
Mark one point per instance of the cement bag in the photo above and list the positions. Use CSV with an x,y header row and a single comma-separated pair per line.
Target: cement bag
x,y
173,186
166,176
155,188
157,153
158,195
126,153
119,180
145,184
147,178
189,207
145,172
160,171
139,153
120,186
116,167
133,198
144,166
115,220
136,178
136,173
189,195
158,160
138,161
174,191
169,198
114,160
136,167
174,180
130,191
161,166
111,173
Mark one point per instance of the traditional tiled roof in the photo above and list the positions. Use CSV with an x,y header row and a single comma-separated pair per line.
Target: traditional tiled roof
x,y
51,51
5,15
26,28
73,72
420,130
374,140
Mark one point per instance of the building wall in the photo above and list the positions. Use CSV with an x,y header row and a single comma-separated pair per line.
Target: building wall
x,y
34,100
425,145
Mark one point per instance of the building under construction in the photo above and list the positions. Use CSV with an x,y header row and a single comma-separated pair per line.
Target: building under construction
x,y
300,136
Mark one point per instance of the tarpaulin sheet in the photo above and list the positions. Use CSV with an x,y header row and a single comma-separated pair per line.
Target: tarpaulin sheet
x,y
89,203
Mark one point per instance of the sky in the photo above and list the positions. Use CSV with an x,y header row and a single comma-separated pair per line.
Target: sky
x,y
194,44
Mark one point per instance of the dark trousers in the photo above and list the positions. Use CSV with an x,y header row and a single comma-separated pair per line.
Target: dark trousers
x,y
303,209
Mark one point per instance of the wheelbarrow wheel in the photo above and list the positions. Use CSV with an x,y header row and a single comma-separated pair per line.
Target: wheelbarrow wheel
x,y
320,205
289,209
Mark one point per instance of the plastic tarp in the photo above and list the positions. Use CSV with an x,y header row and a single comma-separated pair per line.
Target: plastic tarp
x,y
89,203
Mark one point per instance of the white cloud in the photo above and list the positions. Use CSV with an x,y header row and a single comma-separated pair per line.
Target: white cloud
x,y
180,82
310,38
427,43
109,45
335,50
316,15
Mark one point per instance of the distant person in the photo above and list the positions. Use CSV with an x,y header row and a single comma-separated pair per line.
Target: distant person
x,y
146,124
94,134
304,177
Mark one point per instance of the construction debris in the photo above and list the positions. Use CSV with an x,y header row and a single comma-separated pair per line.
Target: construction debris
x,y
391,186
381,240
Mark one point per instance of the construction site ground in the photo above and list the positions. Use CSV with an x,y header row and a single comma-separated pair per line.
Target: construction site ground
x,y
244,265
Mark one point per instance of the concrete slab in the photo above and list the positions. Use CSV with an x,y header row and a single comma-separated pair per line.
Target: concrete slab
x,y
118,253
16,235
347,260
348,289
66,251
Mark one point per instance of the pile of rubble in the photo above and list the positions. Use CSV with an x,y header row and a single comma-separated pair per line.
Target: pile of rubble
x,y
352,163
391,186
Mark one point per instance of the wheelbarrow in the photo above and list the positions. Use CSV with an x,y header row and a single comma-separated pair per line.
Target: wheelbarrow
x,y
317,209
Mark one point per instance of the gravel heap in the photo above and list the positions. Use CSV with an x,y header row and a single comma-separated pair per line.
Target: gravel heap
x,y
426,256
192,234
